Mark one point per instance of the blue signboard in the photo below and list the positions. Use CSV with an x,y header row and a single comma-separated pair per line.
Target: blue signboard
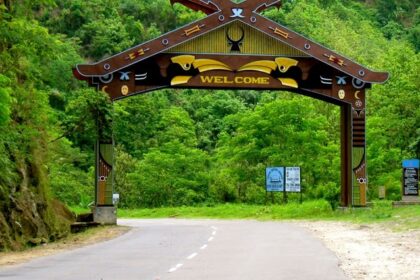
x,y
274,179
411,163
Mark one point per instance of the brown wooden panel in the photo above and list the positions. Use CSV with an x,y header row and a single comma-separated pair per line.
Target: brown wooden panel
x,y
346,156
226,13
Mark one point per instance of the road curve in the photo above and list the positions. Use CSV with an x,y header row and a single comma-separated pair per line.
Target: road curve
x,y
173,249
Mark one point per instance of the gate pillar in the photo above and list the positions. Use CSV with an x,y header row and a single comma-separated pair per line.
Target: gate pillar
x,y
104,173
353,152
104,211
359,157
346,155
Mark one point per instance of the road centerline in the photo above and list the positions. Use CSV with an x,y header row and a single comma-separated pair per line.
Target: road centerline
x,y
193,255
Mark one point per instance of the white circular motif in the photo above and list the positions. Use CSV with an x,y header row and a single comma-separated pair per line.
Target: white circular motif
x,y
358,84
107,78
362,180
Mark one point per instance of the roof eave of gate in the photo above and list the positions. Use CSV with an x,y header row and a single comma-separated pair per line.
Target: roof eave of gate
x,y
211,22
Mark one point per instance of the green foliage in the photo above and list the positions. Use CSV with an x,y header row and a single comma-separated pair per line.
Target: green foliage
x,y
125,165
4,100
284,132
329,192
180,179
70,174
189,147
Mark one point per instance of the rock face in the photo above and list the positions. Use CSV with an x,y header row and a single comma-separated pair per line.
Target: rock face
x,y
28,217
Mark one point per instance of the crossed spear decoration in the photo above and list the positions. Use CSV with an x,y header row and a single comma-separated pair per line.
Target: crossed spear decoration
x,y
212,6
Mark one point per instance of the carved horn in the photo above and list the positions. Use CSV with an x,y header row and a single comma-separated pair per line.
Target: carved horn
x,y
235,44
197,5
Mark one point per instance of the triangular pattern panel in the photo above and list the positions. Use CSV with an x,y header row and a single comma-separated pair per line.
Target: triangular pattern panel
x,y
237,38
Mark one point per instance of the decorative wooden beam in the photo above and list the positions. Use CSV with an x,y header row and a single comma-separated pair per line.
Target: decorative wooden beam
x,y
198,5
315,50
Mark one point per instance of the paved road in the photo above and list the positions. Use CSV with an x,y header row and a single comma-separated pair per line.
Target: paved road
x,y
192,250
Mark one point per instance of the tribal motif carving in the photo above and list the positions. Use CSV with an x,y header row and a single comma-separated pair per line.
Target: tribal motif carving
x,y
280,32
335,59
188,62
104,173
137,54
274,68
359,179
192,30
212,6
280,64
235,44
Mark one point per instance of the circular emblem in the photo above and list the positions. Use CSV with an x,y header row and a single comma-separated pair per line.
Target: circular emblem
x,y
106,79
358,84
362,180
124,90
359,103
342,94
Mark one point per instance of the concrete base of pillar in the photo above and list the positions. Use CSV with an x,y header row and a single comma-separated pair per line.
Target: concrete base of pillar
x,y
411,198
407,200
105,215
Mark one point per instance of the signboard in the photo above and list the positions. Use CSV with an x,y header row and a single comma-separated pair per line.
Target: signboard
x,y
411,177
292,179
274,179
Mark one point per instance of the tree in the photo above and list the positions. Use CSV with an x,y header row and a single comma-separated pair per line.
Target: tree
x,y
171,175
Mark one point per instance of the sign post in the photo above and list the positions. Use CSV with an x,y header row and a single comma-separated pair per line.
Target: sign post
x,y
283,179
274,179
411,177
293,179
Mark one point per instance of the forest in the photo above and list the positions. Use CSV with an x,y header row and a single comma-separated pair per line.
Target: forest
x,y
186,147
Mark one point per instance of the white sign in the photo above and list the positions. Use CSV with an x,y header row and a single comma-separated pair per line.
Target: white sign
x,y
293,179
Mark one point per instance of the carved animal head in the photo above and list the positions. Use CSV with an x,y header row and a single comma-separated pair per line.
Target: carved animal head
x,y
235,44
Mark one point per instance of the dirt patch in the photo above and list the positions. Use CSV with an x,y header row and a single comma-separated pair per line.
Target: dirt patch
x,y
371,251
89,237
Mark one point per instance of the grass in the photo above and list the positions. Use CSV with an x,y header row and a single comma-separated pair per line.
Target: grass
x,y
306,210
404,218
79,209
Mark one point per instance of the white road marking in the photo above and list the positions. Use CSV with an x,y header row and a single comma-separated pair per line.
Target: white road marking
x,y
192,256
173,269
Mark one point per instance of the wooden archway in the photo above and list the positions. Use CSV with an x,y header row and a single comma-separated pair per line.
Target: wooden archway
x,y
235,47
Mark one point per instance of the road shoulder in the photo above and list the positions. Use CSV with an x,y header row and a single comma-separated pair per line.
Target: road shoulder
x,y
74,241
370,251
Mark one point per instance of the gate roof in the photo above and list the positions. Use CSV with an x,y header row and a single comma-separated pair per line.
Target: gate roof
x,y
220,13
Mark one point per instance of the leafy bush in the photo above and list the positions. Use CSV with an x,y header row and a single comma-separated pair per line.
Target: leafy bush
x,y
330,192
